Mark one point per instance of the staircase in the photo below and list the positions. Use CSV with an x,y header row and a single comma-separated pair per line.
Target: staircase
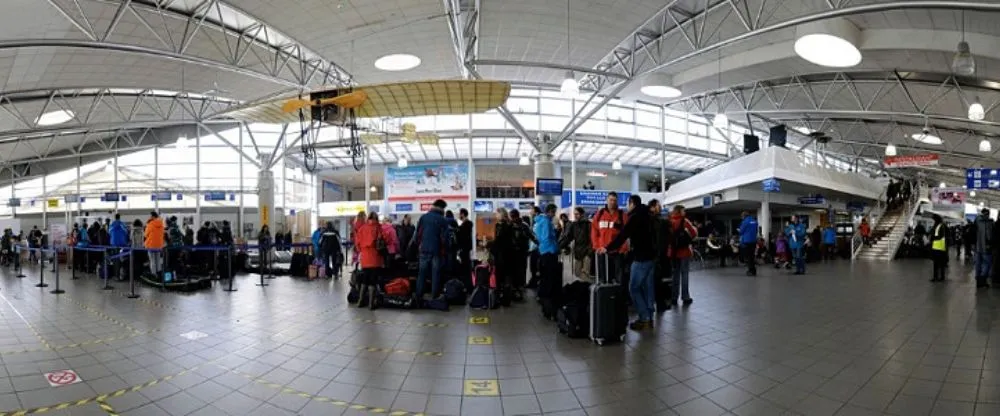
x,y
886,236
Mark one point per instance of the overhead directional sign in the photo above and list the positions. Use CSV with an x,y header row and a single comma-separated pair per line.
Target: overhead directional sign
x,y
982,178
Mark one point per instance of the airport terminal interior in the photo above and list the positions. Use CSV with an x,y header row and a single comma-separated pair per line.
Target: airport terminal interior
x,y
499,207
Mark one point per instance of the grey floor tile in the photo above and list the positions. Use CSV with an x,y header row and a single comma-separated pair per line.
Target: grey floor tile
x,y
949,408
730,397
699,407
444,405
521,405
910,405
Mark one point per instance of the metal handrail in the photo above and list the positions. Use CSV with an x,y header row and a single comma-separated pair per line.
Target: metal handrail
x,y
876,213
909,210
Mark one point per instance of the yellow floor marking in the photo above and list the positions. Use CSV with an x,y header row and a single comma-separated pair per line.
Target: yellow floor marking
x,y
483,340
482,388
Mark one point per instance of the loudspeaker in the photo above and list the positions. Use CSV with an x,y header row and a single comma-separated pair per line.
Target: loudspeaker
x,y
778,135
751,143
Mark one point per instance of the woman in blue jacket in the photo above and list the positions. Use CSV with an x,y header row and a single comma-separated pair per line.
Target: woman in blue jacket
x,y
797,238
118,232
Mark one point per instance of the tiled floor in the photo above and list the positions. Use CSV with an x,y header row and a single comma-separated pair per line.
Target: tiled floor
x,y
867,339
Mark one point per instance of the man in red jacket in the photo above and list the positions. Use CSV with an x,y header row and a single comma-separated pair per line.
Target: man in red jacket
x,y
607,223
682,233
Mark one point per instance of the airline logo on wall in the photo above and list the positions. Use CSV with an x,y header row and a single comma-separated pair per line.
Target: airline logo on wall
x,y
910,161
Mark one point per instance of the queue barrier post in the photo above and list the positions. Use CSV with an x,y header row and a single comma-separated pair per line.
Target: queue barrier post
x,y
131,275
229,269
262,254
17,262
107,271
55,259
41,278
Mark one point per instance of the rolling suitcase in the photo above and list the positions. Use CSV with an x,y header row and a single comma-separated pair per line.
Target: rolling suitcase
x,y
608,307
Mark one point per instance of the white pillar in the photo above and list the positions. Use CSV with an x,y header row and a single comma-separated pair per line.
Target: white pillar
x,y
368,181
13,193
200,194
472,190
45,205
635,180
79,203
764,218
544,168
240,212
115,166
156,177
265,198
663,157
317,189
572,175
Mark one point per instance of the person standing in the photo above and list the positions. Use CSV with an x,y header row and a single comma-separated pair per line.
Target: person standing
x,y
578,234
330,251
522,237
641,240
154,242
466,243
405,231
748,241
392,244
984,248
371,261
797,242
504,256
661,269
432,229
939,249
533,254
866,232
607,223
682,233
550,279
829,242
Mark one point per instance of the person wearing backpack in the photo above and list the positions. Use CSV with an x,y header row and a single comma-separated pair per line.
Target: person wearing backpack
x,y
578,234
682,232
643,243
550,279
605,226
662,271
369,258
522,237
432,244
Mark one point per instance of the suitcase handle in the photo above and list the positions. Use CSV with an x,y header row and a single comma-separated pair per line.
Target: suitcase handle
x,y
607,268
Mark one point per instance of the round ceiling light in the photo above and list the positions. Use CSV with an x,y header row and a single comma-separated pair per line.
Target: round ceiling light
x,y
926,137
985,146
397,62
976,111
827,50
890,150
54,117
830,43
660,86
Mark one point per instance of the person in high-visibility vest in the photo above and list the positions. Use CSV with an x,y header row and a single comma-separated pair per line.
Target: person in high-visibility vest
x,y
939,248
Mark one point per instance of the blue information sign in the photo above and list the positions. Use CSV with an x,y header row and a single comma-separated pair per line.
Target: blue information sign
x,y
14,202
215,196
593,198
71,198
982,178
812,200
771,185
404,207
111,196
856,206
161,196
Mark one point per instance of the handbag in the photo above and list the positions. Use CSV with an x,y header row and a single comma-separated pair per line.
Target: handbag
x,y
380,245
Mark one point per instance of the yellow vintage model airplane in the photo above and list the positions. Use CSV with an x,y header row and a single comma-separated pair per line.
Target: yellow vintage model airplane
x,y
408,134
342,106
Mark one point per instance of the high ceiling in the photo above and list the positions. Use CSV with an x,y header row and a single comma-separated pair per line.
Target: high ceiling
x,y
131,69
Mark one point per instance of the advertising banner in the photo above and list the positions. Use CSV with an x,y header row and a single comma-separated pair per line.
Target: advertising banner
x,y
909,161
57,234
948,199
427,182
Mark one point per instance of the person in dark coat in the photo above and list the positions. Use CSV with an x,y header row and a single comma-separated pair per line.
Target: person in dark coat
x,y
466,243
577,235
404,233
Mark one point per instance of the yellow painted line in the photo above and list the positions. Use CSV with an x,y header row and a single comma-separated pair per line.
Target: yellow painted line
x,y
80,344
484,340
479,320
107,408
341,403
482,388
103,315
403,323
397,351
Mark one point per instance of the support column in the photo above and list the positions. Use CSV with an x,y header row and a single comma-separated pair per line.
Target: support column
x,y
635,181
239,212
572,175
764,218
472,191
13,193
663,158
200,194
79,200
544,168
156,177
45,205
115,167
265,198
368,181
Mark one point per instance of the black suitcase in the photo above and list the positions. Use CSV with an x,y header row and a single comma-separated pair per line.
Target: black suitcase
x,y
299,266
608,307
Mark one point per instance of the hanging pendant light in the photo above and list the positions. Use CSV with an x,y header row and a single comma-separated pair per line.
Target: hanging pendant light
x,y
616,165
890,150
570,88
402,163
963,63
523,161
976,111
985,146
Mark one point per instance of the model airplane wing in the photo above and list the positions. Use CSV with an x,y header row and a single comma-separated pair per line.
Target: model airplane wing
x,y
404,99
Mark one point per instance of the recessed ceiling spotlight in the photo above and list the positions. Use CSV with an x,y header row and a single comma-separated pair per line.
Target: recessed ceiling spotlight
x,y
397,62
54,117
660,86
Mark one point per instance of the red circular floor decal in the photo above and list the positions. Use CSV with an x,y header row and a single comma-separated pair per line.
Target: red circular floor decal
x,y
62,378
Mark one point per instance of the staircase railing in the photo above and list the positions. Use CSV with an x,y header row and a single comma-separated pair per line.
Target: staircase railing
x,y
909,211
874,216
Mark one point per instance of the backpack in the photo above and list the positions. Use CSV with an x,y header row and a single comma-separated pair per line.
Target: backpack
x,y
521,240
399,286
680,237
454,292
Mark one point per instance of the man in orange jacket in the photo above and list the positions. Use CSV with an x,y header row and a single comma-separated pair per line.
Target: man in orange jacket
x,y
607,223
153,240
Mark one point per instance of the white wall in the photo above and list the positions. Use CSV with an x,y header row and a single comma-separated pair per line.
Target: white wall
x,y
616,181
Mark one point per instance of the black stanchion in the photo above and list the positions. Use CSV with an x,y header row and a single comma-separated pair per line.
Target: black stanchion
x,y
55,259
107,273
165,256
229,270
74,263
17,262
260,265
41,277
131,274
